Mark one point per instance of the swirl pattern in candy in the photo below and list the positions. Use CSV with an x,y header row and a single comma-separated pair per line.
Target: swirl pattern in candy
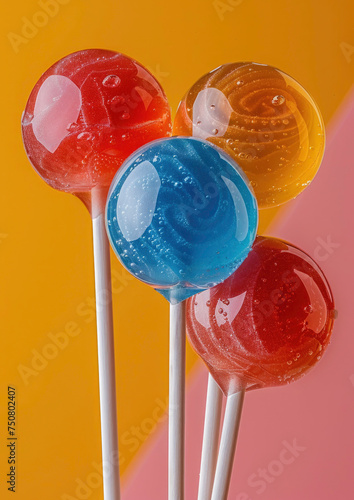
x,y
264,119
87,113
180,216
268,323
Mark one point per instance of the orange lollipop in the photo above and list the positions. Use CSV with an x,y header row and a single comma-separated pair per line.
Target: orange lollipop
x,y
264,119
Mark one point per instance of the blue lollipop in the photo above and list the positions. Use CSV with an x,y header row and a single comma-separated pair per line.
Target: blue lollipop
x,y
181,216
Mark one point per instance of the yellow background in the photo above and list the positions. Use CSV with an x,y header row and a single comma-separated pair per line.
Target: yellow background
x,y
46,260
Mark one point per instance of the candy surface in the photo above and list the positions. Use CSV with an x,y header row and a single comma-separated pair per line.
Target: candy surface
x,y
87,114
180,216
264,119
268,323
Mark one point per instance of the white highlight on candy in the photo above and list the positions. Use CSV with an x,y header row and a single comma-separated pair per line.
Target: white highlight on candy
x,y
57,105
231,309
316,320
137,200
211,114
145,96
242,221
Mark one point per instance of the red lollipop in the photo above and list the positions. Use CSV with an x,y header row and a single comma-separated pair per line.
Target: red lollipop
x,y
266,325
85,115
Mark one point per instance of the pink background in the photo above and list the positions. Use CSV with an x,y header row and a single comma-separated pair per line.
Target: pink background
x,y
317,413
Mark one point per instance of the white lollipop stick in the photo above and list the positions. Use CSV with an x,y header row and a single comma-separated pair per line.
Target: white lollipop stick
x,y
176,402
105,340
210,439
227,446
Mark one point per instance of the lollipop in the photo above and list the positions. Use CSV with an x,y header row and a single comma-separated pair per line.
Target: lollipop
x,y
85,115
181,218
266,325
263,119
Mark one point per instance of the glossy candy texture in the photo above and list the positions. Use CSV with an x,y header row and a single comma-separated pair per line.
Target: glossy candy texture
x,y
87,114
180,216
264,119
268,323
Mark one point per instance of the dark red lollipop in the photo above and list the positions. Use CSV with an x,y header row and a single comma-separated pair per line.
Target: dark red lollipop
x,y
268,323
